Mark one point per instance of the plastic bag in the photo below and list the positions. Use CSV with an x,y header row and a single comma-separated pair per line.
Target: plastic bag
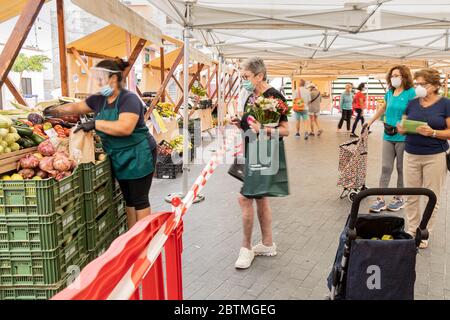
x,y
82,146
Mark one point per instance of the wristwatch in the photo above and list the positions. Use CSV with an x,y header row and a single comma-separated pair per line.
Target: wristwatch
x,y
434,134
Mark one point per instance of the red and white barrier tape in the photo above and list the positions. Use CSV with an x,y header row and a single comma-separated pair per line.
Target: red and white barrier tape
x,y
130,282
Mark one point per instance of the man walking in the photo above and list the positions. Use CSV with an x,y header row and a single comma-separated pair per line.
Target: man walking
x,y
301,108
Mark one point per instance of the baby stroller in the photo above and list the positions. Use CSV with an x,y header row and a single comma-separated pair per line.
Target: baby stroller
x,y
353,165
376,258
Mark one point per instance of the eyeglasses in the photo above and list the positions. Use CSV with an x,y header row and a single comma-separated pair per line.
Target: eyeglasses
x,y
246,77
422,84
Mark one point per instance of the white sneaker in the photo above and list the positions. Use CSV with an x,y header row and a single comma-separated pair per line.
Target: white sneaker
x,y
245,259
262,250
423,244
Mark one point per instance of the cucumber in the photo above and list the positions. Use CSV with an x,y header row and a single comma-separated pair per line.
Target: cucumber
x,y
24,132
37,139
26,142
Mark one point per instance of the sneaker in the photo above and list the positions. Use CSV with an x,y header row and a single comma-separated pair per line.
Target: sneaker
x,y
262,250
306,136
353,135
378,206
297,134
396,204
338,130
245,259
423,244
312,134
319,132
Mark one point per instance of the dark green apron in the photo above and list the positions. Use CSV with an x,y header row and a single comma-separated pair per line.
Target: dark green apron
x,y
131,157
264,179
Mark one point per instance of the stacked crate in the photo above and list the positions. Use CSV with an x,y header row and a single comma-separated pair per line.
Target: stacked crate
x,y
104,208
42,236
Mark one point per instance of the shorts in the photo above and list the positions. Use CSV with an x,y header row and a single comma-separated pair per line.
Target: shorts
x,y
301,115
312,113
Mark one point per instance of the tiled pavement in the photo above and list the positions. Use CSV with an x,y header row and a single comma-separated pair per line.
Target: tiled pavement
x,y
306,227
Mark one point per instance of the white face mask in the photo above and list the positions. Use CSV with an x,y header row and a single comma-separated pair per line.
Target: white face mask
x,y
396,82
421,92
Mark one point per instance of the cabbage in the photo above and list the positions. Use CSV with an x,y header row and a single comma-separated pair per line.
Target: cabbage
x,y
1,149
7,150
5,122
4,144
10,138
12,130
15,147
3,132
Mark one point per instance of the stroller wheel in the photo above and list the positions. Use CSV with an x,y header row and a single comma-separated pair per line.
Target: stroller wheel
x,y
364,187
351,195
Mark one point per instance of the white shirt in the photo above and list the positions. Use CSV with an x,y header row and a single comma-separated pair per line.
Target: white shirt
x,y
304,94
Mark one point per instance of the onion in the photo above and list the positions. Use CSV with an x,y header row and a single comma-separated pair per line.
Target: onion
x,y
73,164
42,174
46,148
61,162
29,162
27,173
62,175
46,164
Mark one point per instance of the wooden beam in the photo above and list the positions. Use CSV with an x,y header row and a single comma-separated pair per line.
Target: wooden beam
x,y
162,72
216,92
134,55
80,60
62,48
178,83
18,36
169,97
12,88
232,95
231,88
194,78
208,89
164,85
138,91
91,54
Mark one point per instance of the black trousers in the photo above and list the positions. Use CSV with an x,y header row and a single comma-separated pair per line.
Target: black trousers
x,y
346,116
359,116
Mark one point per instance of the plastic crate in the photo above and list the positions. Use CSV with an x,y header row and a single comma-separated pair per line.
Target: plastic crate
x,y
39,292
119,207
38,197
44,267
122,227
98,230
168,171
43,232
96,202
117,193
94,175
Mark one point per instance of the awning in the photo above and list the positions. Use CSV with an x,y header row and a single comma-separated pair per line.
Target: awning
x,y
328,30
11,8
109,41
120,15
169,58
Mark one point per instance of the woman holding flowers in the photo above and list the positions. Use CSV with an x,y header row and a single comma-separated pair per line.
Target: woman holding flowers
x,y
264,123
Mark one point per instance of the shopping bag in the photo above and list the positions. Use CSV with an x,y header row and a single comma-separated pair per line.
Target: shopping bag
x,y
82,146
237,170
265,178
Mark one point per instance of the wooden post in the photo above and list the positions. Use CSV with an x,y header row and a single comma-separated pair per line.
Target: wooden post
x,y
134,55
162,71
164,85
208,89
18,36
130,76
12,88
80,60
195,77
62,48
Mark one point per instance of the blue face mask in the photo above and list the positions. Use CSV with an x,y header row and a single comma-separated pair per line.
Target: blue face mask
x,y
106,91
248,85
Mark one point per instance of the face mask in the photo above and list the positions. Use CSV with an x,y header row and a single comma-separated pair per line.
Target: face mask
x,y
106,91
248,85
396,82
421,92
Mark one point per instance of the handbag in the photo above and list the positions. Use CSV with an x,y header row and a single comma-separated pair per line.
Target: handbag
x,y
237,170
298,103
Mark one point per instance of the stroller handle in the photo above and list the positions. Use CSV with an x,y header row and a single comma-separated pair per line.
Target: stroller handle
x,y
395,192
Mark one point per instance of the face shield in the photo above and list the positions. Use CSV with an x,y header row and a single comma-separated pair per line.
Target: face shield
x,y
99,80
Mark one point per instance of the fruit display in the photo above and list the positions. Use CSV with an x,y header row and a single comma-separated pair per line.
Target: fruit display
x,y
166,109
198,91
177,144
8,136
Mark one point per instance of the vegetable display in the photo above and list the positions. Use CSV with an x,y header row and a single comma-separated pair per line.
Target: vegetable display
x,y
166,109
8,136
177,144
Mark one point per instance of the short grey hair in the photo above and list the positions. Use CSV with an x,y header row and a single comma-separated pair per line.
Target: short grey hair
x,y
256,66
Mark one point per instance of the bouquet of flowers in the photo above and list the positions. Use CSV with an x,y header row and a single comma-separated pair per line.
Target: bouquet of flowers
x,y
268,111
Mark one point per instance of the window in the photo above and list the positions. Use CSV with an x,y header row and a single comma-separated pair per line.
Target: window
x,y
26,86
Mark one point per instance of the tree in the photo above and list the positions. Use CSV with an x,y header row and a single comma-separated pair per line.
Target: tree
x,y
35,63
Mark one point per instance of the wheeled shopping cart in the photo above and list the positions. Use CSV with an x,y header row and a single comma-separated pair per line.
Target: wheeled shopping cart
x,y
376,258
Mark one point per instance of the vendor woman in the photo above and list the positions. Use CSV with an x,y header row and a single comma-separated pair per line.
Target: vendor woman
x,y
119,121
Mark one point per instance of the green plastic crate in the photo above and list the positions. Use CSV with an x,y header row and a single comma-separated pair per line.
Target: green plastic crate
x,y
39,292
94,175
117,193
119,208
44,267
43,232
38,197
122,227
98,230
96,202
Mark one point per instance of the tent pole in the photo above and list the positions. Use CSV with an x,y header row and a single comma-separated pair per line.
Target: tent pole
x,y
186,138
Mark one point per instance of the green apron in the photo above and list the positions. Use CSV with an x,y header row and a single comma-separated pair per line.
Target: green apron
x,y
264,179
131,157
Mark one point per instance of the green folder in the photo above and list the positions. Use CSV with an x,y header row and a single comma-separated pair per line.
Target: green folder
x,y
411,125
